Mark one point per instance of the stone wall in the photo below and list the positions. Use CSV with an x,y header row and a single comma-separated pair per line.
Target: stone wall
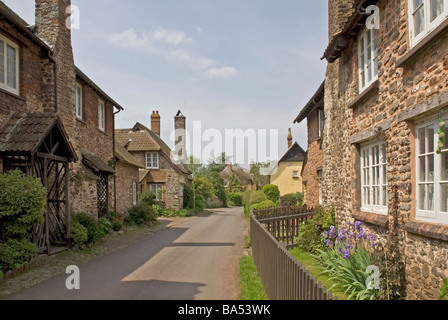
x,y
408,89
314,161
125,176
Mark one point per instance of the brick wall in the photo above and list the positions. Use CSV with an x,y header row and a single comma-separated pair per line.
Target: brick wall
x,y
416,85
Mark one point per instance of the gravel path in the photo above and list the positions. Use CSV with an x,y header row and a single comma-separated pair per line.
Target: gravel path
x,y
49,267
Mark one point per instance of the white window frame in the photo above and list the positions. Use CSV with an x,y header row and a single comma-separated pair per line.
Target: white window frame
x,y
154,189
154,160
134,193
321,122
5,86
374,178
428,25
79,101
101,115
366,48
425,212
295,174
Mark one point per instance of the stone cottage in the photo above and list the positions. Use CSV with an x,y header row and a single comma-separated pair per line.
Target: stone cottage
x,y
385,149
311,173
161,173
288,172
54,120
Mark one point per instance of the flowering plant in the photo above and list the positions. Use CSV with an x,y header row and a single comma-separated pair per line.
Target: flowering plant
x,y
76,179
348,260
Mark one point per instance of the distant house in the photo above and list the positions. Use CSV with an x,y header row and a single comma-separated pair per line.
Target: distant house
x,y
242,175
313,112
287,174
159,173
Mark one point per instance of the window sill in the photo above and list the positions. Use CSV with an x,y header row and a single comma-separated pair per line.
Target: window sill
x,y
14,95
374,87
372,218
434,231
80,120
420,46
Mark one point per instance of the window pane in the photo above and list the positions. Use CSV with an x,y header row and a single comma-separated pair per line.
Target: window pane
x,y
2,62
436,9
422,141
422,169
444,173
384,198
419,21
11,67
430,134
443,197
431,197
422,197
430,164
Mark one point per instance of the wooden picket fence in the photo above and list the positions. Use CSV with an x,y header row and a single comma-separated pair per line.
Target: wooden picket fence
x,y
283,276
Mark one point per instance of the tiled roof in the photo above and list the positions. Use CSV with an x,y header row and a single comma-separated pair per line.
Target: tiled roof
x,y
294,154
124,156
316,101
26,132
242,175
94,163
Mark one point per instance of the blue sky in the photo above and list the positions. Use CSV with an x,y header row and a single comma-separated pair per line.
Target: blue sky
x,y
234,64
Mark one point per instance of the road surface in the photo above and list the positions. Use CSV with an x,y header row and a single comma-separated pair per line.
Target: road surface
x,y
196,260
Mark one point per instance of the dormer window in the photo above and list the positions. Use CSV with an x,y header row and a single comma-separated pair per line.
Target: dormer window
x,y
152,160
9,65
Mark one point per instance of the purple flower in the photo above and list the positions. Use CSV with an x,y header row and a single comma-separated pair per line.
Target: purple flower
x,y
328,243
332,231
358,225
325,234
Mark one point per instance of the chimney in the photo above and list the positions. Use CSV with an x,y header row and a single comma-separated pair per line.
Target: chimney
x,y
155,122
289,139
53,29
180,128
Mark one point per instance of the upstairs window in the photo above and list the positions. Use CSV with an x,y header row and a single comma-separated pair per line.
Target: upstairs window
x,y
425,16
321,116
79,101
367,58
152,160
101,115
9,65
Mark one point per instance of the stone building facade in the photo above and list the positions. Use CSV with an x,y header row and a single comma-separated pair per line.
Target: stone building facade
x,y
386,93
160,173
311,173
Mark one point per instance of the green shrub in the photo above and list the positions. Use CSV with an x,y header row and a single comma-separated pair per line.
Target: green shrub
x,y
158,211
235,199
251,198
310,236
117,225
272,192
147,198
200,203
91,224
263,205
14,253
188,197
22,205
184,213
141,214
105,225
79,233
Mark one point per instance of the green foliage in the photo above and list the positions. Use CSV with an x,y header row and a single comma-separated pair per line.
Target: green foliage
x,y
91,224
351,274
117,225
444,290
141,214
200,203
158,211
272,192
105,225
218,187
263,205
252,197
310,236
235,199
188,197
79,233
22,205
147,198
15,252
203,187
234,184
250,283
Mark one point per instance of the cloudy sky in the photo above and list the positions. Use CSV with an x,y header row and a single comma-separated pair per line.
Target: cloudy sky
x,y
234,64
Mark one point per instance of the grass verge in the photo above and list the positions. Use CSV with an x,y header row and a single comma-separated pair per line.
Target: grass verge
x,y
250,283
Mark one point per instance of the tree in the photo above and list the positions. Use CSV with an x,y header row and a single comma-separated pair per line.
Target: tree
x,y
218,187
234,185
203,187
259,179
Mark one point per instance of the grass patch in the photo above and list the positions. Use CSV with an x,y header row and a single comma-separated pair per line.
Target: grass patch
x,y
309,262
250,282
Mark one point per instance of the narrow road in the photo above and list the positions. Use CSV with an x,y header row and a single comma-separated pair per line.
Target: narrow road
x,y
197,260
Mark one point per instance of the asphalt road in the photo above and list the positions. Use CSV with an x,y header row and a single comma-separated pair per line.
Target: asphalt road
x,y
196,260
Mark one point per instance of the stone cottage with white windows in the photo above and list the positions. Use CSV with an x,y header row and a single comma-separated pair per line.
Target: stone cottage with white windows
x,y
385,147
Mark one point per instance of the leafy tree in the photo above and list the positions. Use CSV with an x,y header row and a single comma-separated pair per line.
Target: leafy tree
x,y
218,187
203,187
234,185
259,179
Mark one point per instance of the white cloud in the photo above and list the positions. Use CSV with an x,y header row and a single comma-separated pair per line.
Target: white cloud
x,y
221,73
187,58
131,39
